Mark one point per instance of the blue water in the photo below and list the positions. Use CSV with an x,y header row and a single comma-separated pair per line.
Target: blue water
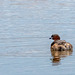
x,y
25,28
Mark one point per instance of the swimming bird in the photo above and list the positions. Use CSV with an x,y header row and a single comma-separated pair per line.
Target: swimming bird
x,y
59,45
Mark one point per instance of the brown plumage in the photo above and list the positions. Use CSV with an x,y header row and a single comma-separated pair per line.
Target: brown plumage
x,y
58,44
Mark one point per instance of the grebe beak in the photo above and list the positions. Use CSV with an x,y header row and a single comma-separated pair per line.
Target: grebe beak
x,y
50,38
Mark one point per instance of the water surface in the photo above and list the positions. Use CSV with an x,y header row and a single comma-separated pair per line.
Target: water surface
x,y
25,28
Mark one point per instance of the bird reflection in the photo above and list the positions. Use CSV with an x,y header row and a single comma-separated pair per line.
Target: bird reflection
x,y
57,55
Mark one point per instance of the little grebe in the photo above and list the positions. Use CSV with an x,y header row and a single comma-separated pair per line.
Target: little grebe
x,y
59,45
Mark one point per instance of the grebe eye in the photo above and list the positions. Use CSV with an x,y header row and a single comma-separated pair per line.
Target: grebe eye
x,y
52,36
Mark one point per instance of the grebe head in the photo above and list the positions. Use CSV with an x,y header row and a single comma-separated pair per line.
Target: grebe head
x,y
55,37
